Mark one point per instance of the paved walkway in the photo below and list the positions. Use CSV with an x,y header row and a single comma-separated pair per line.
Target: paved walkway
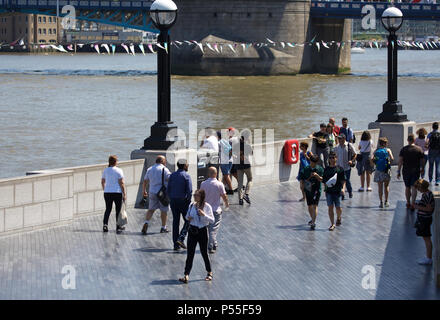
x,y
266,251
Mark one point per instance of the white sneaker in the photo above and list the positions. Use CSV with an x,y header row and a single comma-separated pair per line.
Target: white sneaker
x,y
425,261
361,189
387,204
381,205
369,189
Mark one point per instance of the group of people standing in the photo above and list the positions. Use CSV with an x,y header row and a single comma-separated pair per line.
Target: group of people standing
x,y
334,156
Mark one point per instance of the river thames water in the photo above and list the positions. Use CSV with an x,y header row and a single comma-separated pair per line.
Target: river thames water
x,y
70,110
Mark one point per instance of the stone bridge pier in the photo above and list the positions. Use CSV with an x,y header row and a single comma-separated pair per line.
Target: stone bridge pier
x,y
252,21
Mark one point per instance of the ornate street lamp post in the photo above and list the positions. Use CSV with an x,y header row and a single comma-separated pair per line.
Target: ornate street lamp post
x,y
163,13
392,19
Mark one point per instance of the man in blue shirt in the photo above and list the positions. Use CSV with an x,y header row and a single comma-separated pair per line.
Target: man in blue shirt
x,y
179,191
434,153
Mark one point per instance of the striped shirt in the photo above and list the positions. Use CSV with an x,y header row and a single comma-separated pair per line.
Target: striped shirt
x,y
427,198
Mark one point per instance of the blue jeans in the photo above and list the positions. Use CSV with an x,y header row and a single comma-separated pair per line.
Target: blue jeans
x,y
179,207
347,180
434,159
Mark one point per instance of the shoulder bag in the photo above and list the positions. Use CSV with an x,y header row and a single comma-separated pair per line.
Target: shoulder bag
x,y
162,194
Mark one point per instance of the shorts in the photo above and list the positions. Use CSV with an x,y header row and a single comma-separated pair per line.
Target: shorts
x,y
423,226
312,198
226,168
380,176
410,178
154,203
333,199
233,169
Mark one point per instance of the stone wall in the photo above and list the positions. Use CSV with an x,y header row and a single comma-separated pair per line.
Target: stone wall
x,y
252,21
52,197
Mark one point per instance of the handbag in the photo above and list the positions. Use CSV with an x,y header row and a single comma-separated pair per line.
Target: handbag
x,y
162,194
122,218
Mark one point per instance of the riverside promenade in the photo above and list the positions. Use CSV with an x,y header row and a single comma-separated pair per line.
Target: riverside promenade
x,y
266,251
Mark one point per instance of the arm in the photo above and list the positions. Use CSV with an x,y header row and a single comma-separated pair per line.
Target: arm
x,y
144,188
225,200
391,155
103,183
399,167
207,215
427,208
122,185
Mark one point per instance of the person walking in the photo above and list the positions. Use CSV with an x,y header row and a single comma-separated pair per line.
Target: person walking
x,y
346,156
156,176
333,178
336,128
210,142
382,159
179,191
425,209
422,142
199,216
312,185
113,185
347,131
235,144
412,160
225,151
244,168
304,161
331,138
214,191
321,144
434,154
364,166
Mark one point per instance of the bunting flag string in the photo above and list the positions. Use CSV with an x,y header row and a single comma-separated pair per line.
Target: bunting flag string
x,y
217,47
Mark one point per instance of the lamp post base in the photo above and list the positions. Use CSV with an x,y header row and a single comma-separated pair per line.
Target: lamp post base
x,y
163,136
392,112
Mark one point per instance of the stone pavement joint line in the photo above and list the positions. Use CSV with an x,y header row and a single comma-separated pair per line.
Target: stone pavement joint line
x,y
266,251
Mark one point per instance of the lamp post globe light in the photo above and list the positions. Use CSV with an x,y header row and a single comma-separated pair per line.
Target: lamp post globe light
x,y
163,13
392,19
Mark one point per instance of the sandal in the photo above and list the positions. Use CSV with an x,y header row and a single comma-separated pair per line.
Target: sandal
x,y
208,276
184,279
338,222
332,227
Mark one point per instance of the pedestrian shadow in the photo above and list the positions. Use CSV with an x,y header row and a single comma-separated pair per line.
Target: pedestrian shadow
x,y
151,250
165,282
299,227
364,207
128,233
285,200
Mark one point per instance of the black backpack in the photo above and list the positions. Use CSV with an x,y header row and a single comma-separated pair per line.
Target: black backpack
x,y
434,140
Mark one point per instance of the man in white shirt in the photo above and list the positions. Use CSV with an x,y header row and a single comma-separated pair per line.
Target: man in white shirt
x,y
214,190
153,177
211,141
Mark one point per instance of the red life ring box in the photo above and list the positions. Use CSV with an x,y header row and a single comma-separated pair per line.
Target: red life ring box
x,y
291,151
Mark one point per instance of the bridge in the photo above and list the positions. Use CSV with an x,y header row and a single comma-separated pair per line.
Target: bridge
x,y
134,14
128,14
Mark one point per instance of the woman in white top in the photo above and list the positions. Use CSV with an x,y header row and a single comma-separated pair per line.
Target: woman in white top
x,y
364,165
422,142
199,216
114,191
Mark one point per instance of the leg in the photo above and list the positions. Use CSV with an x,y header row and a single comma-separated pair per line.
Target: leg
x,y
192,243
431,159
368,176
380,187
213,230
362,179
408,195
347,181
437,167
227,181
248,173
331,215
108,207
413,195
176,220
311,212
240,174
117,198
149,215
339,213
301,186
163,217
203,243
428,245
387,190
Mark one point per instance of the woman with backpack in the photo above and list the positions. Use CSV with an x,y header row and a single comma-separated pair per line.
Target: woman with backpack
x,y
382,158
